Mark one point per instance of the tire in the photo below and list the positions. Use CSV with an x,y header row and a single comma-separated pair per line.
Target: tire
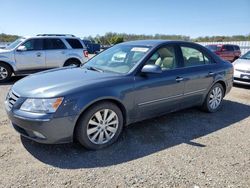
x,y
216,93
92,128
72,62
5,72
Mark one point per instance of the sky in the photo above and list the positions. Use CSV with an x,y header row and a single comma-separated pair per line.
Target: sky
x,y
82,18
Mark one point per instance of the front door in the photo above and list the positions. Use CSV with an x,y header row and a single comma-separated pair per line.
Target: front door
x,y
159,93
32,56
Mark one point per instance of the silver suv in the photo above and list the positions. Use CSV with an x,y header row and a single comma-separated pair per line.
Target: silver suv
x,y
45,51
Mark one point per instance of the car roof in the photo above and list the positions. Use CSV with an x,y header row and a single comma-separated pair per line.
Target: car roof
x,y
65,37
153,43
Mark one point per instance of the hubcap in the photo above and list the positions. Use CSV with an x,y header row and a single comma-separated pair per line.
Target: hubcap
x,y
102,126
3,73
215,98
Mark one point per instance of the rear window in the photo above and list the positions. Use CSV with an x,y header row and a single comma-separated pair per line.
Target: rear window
x,y
52,44
236,48
228,48
74,43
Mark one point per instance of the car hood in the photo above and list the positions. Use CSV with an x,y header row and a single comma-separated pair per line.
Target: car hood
x,y
242,64
3,50
58,82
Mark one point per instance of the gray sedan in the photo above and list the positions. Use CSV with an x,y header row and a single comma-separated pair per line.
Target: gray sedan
x,y
126,83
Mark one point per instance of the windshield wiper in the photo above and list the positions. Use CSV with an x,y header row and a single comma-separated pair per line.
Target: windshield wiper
x,y
93,68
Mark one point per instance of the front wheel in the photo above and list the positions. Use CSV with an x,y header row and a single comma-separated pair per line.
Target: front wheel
x,y
100,126
5,72
214,98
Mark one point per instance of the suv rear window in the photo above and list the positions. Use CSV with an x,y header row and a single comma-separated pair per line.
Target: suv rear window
x,y
52,44
228,47
74,43
236,47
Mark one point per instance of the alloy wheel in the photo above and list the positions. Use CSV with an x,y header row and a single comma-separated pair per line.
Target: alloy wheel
x,y
102,126
215,98
3,73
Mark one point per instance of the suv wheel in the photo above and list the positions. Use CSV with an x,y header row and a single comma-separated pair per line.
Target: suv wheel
x,y
5,72
100,126
214,98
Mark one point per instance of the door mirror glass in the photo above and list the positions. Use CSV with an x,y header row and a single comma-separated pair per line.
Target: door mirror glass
x,y
21,48
154,69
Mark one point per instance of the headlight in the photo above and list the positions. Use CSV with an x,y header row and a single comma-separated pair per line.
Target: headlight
x,y
41,105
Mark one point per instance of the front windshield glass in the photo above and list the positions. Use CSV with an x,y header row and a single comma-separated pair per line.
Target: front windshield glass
x,y
246,56
118,59
14,44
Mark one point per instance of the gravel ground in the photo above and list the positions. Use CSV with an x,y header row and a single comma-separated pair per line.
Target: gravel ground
x,y
183,149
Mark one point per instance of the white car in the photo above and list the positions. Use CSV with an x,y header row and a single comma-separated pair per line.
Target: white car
x,y
242,69
45,51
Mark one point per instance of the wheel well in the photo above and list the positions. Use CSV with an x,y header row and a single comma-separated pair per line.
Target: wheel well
x,y
8,65
117,103
72,59
223,85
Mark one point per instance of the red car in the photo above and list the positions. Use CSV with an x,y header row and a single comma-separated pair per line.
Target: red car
x,y
226,51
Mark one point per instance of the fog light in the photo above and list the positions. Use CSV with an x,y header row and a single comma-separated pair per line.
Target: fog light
x,y
39,135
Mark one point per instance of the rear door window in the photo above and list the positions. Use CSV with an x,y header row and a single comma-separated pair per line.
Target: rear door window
x,y
74,43
54,44
228,48
193,57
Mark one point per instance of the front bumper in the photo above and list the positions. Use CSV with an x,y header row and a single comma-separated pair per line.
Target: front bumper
x,y
44,130
241,77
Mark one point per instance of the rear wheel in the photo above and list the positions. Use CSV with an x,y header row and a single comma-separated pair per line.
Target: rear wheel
x,y
5,72
72,62
100,126
214,98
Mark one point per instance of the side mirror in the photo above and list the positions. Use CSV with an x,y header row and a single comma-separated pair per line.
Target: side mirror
x,y
153,69
21,49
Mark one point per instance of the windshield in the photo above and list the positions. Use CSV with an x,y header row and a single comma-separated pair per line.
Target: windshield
x,y
119,59
213,48
246,55
14,44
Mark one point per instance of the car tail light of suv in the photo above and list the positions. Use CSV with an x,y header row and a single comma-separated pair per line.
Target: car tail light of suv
x,y
85,53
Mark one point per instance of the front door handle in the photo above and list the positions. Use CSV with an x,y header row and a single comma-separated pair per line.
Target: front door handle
x,y
179,79
211,73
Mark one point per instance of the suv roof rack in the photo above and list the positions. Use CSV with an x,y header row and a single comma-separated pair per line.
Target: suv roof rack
x,y
59,35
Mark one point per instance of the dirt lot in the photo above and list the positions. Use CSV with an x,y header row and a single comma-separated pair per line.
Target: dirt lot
x,y
183,149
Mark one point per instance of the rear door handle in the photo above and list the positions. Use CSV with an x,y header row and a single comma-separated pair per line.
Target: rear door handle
x,y
38,54
179,79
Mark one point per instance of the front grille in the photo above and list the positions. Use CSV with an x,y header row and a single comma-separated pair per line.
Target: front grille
x,y
11,99
243,71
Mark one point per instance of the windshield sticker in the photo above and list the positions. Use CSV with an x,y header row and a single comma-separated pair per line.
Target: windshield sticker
x,y
137,49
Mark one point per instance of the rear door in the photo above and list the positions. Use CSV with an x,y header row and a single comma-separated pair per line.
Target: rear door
x,y
198,74
162,92
33,57
227,52
56,52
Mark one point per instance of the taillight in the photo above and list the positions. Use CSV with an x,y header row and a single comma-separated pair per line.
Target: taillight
x,y
85,53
